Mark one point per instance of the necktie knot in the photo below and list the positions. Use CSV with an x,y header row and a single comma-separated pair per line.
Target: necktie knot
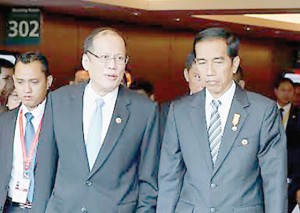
x,y
215,104
281,110
29,116
99,103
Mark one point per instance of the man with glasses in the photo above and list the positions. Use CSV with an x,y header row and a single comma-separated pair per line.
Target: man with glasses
x,y
107,137
224,149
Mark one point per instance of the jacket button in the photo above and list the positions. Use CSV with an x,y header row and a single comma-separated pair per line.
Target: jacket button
x,y
212,210
89,183
213,185
83,210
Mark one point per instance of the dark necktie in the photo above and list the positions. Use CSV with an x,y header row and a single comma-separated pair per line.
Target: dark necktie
x,y
281,110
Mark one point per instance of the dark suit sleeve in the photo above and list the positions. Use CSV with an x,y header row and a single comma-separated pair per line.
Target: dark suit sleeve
x,y
273,162
171,168
148,165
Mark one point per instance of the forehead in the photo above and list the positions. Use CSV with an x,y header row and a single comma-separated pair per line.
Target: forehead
x,y
32,69
285,84
211,46
109,40
6,71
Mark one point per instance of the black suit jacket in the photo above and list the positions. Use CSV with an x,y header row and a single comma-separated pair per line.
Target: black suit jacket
x,y
293,146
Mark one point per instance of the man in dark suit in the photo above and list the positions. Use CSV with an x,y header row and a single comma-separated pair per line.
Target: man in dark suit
x,y
27,150
290,118
112,169
224,149
192,77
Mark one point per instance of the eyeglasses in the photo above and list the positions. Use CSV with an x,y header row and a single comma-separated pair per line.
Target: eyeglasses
x,y
105,58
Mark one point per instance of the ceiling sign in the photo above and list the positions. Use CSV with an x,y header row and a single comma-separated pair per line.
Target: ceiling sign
x,y
23,26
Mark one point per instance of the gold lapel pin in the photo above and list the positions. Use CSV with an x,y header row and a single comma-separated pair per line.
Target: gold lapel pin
x,y
244,142
235,121
118,120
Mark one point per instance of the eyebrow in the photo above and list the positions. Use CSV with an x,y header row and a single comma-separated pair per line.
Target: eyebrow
x,y
221,58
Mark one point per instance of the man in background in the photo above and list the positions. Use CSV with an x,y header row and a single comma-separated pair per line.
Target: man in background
x,y
296,96
290,118
27,147
192,75
6,82
80,76
238,77
143,87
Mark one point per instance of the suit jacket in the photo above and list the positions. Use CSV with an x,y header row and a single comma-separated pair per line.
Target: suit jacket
x,y
250,172
46,157
124,176
293,146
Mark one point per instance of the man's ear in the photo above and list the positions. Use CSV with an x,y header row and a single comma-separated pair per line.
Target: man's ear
x,y
235,64
186,75
85,61
49,81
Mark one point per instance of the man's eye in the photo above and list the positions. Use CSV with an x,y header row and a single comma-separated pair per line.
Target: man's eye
x,y
218,61
105,57
120,58
197,77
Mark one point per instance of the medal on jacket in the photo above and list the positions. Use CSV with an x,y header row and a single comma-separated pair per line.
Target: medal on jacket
x,y
235,121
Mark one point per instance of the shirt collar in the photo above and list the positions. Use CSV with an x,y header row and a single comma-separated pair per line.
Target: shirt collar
x,y
37,112
225,98
92,95
286,107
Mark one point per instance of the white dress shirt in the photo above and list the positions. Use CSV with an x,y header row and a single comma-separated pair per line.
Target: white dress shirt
x,y
17,165
89,106
285,114
226,100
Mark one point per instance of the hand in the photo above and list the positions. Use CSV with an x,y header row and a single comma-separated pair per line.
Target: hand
x,y
298,196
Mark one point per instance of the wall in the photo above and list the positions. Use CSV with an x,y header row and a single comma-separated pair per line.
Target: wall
x,y
155,54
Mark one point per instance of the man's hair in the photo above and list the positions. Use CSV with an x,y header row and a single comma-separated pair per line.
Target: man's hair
x,y
5,64
141,84
232,41
88,43
30,57
296,85
283,80
189,61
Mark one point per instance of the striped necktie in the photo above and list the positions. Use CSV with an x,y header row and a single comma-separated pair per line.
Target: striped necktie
x,y
215,130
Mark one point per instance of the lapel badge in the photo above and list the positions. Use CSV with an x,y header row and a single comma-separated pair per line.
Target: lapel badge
x,y
118,120
244,142
235,121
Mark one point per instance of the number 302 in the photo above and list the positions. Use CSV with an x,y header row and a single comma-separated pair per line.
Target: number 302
x,y
23,28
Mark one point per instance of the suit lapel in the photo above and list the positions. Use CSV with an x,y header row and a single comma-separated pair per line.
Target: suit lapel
x,y
199,124
293,118
10,136
118,122
238,105
76,123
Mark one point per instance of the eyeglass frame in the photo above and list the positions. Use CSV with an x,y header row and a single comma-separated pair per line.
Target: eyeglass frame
x,y
126,59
